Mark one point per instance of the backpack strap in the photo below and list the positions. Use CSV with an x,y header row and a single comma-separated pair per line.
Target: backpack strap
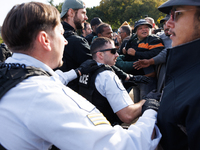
x,y
11,74
102,68
2,148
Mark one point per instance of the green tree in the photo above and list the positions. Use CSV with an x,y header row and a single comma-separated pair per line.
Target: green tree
x,y
59,6
1,40
115,12
51,2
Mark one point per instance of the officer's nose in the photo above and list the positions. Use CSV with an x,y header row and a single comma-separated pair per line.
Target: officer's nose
x,y
116,54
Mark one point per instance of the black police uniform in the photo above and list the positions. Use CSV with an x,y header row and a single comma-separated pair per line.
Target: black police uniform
x,y
88,90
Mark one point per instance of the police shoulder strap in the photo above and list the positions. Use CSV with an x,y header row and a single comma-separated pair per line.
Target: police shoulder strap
x,y
11,74
102,68
1,147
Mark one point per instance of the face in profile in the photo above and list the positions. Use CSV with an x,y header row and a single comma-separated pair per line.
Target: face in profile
x,y
166,29
58,43
183,26
110,58
88,29
79,18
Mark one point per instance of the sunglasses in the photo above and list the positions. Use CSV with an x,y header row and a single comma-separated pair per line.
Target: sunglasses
x,y
174,14
112,50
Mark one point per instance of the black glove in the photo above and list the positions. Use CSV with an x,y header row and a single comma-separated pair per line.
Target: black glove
x,y
127,84
154,94
88,66
139,79
150,104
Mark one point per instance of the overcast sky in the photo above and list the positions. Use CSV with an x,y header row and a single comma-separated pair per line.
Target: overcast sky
x,y
6,5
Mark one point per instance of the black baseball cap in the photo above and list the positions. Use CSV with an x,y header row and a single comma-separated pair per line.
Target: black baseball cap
x,y
165,19
141,22
167,6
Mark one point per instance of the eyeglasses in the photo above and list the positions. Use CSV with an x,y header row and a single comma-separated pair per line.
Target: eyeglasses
x,y
112,50
120,32
175,14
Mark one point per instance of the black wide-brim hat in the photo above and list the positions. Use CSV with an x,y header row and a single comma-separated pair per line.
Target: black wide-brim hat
x,y
167,6
141,22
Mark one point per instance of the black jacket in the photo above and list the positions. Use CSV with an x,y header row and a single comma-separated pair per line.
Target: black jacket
x,y
145,49
75,53
179,112
89,37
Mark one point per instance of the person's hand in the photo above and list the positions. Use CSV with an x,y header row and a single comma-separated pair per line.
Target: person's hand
x,y
141,64
152,101
124,50
150,104
154,94
88,66
139,79
131,51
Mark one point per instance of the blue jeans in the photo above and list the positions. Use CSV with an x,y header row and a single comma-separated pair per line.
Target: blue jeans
x,y
143,89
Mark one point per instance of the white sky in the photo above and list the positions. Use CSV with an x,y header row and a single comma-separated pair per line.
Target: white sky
x,y
6,5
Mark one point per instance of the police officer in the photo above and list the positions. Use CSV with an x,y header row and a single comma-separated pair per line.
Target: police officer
x,y
104,89
41,111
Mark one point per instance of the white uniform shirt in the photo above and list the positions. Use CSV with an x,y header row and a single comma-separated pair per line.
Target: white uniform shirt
x,y
109,86
41,111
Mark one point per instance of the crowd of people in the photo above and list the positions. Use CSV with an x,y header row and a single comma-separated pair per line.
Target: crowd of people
x,y
61,90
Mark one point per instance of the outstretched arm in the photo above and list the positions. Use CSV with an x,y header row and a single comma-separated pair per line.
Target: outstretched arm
x,y
143,63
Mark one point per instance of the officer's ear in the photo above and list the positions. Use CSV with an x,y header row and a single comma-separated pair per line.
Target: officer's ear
x,y
44,40
100,55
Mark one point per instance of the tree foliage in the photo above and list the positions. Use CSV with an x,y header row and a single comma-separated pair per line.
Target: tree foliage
x,y
1,40
115,12
59,6
118,11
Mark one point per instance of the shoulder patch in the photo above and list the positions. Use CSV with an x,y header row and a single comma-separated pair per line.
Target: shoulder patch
x,y
98,119
119,83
